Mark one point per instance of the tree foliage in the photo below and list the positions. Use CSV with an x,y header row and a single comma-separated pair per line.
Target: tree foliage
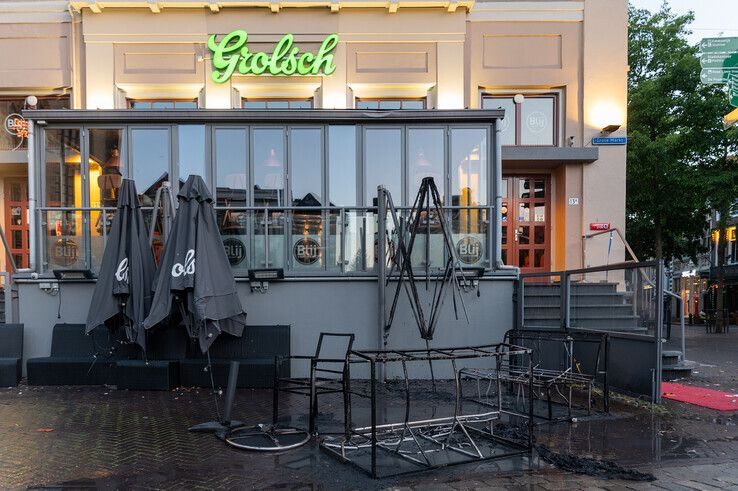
x,y
679,154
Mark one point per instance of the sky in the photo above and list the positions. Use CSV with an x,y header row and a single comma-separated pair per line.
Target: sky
x,y
712,18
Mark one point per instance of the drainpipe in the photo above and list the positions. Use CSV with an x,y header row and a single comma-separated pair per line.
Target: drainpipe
x,y
498,200
32,196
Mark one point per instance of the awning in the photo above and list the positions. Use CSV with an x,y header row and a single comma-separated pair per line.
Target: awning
x,y
543,157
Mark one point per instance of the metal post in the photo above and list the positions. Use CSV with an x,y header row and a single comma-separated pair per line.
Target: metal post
x,y
659,328
373,389
230,391
565,297
381,271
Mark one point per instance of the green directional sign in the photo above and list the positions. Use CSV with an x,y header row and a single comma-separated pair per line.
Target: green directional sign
x,y
723,45
716,75
719,60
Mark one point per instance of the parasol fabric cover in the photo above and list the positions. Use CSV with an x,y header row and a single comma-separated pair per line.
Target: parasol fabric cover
x,y
124,285
195,271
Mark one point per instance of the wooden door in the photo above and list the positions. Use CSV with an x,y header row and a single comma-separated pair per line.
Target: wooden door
x,y
16,220
526,222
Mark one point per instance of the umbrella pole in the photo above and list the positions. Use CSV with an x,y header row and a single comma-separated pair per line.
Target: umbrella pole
x,y
212,386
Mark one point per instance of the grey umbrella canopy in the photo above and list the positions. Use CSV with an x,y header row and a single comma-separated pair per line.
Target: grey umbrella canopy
x,y
194,276
123,291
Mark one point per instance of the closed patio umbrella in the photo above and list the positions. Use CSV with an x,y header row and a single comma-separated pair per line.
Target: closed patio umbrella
x,y
194,277
123,291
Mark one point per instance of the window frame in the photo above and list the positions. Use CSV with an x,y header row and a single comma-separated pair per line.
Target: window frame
x,y
401,100
555,96
288,100
131,101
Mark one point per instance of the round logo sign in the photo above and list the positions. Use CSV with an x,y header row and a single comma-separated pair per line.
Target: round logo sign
x,y
235,250
536,122
16,125
64,252
306,251
469,250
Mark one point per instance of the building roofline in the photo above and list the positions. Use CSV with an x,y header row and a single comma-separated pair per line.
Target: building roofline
x,y
262,116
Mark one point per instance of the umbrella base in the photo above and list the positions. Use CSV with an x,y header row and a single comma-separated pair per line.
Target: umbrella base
x,y
217,427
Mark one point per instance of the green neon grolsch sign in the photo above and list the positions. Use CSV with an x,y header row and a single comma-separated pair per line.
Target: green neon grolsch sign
x,y
231,55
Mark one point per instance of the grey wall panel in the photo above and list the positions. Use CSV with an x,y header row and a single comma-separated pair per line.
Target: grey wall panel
x,y
309,307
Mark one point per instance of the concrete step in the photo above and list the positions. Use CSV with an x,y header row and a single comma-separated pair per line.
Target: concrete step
x,y
554,299
670,357
535,288
675,371
595,310
600,324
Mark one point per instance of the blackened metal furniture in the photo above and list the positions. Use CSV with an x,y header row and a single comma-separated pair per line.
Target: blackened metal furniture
x,y
413,445
11,354
556,369
329,374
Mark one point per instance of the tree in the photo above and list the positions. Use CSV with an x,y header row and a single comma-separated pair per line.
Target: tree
x,y
666,207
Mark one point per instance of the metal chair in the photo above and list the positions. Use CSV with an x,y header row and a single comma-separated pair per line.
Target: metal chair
x,y
324,378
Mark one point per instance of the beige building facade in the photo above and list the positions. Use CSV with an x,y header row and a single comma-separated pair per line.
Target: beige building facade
x,y
557,68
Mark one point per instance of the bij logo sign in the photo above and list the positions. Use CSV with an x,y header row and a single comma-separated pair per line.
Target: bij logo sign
x,y
469,250
231,55
306,251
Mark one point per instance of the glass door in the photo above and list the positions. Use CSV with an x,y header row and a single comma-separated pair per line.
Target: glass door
x,y
16,219
526,222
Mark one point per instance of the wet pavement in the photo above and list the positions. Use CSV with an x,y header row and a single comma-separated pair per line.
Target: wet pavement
x,y
103,438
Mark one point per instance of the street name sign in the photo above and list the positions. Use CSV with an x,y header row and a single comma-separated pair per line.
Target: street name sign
x,y
610,140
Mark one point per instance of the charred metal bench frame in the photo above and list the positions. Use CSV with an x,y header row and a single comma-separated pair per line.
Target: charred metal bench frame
x,y
546,383
462,434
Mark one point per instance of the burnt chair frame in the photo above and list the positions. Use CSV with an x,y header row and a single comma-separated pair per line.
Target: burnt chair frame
x,y
319,381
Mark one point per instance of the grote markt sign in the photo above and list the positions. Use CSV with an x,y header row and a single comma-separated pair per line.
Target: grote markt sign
x,y
231,55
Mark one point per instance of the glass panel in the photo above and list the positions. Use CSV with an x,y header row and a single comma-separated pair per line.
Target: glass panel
x,y
162,104
429,231
17,240
185,104
233,226
150,161
367,104
269,236
308,104
524,188
268,149
342,165
524,258
64,240
523,235
389,104
540,188
504,256
426,155
539,235
231,167
417,104
254,104
507,125
539,212
383,163
469,166
306,158
278,105
523,212
158,240
140,104
504,211
504,235
8,138
346,241
538,258
307,251
503,189
16,215
106,169
191,152
537,121
469,233
63,168
15,191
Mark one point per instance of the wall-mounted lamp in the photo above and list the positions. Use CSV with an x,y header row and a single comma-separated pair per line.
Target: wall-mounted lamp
x,y
610,128
31,101
518,98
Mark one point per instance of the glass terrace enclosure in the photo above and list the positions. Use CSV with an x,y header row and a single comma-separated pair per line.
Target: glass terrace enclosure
x,y
292,189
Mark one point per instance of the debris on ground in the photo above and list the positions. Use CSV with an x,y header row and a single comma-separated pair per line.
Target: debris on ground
x,y
592,467
44,430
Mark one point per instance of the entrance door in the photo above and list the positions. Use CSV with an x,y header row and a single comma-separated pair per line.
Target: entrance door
x,y
16,220
526,222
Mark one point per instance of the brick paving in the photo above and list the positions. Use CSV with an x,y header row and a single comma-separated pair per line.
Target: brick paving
x,y
108,439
